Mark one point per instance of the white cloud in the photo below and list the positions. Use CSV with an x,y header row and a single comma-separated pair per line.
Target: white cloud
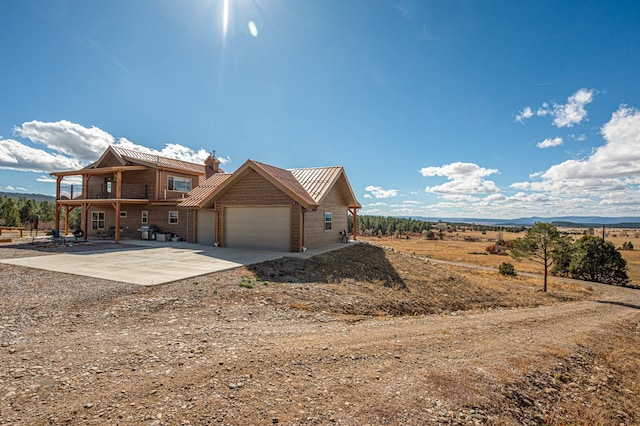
x,y
379,192
580,138
548,143
524,114
71,139
17,156
573,111
618,157
10,188
463,178
564,115
71,146
46,179
609,178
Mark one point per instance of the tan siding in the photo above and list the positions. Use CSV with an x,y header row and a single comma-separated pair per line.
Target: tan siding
x,y
254,190
110,160
296,228
174,195
315,235
158,216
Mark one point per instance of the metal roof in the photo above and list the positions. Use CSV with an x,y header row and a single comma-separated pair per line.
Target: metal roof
x,y
288,180
157,160
307,186
317,181
204,190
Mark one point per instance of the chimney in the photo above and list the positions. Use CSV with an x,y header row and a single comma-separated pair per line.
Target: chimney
x,y
211,165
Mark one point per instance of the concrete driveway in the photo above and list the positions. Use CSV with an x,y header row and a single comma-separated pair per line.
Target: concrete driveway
x,y
151,262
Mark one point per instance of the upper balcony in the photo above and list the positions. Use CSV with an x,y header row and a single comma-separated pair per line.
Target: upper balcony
x,y
103,191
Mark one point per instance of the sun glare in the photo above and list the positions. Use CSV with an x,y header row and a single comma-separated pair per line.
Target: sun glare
x,y
225,18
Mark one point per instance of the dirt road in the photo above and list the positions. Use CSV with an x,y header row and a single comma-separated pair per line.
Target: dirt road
x,y
90,351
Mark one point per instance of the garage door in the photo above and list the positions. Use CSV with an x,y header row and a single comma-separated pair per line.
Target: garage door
x,y
206,226
258,227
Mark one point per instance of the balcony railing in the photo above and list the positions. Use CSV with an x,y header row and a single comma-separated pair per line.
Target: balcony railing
x,y
128,190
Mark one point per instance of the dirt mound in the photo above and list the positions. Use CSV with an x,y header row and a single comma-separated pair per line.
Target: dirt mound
x,y
360,262
363,279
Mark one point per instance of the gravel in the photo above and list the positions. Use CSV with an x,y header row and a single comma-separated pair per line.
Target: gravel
x,y
209,350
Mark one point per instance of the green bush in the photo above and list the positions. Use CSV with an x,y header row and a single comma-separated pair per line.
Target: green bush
x,y
507,269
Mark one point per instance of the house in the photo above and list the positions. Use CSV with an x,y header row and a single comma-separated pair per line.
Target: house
x,y
265,207
258,206
125,189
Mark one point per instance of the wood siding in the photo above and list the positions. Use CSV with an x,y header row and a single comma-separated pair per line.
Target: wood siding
x,y
314,233
254,190
158,216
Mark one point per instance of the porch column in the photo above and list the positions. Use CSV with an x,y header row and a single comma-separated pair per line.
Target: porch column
x,y
66,220
85,186
85,220
116,206
118,177
354,212
57,221
57,226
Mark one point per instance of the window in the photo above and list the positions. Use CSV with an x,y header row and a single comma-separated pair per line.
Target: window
x,y
108,184
173,217
145,216
327,221
179,184
123,214
97,221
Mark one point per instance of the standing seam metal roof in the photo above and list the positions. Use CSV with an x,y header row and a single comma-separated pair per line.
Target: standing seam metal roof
x,y
317,181
202,191
286,178
157,160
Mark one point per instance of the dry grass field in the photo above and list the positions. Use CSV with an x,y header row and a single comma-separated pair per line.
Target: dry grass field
x,y
469,247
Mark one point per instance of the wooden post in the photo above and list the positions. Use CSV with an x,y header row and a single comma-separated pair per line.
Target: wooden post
x,y
354,212
118,177
85,187
57,221
66,220
116,206
85,219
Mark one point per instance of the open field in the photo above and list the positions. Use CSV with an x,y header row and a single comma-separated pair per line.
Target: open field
x,y
360,335
469,247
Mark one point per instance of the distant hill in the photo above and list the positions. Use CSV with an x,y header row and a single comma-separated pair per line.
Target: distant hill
x,y
37,197
565,221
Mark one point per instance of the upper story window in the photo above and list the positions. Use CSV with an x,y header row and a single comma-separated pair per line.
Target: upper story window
x,y
179,184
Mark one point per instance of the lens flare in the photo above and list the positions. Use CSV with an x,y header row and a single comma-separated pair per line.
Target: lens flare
x,y
253,28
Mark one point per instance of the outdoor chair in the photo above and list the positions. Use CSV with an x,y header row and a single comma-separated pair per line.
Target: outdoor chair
x,y
56,237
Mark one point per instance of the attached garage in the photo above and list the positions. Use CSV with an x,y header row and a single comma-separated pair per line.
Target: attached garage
x,y
258,227
206,233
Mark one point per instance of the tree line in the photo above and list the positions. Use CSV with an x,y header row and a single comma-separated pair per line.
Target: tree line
x,y
390,226
21,211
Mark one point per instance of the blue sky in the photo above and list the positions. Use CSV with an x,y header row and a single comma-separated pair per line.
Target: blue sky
x,y
478,108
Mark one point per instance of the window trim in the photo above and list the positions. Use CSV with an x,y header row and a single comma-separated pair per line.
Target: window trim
x,y
123,214
145,216
95,220
172,180
328,224
174,214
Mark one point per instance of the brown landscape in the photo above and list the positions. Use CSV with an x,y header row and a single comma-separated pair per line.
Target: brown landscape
x,y
376,333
